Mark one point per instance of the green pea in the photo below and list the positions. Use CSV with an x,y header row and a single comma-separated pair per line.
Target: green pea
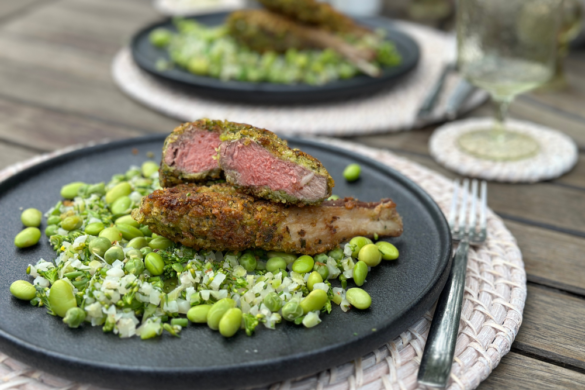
x,y
121,206
336,253
137,243
113,254
160,243
198,314
288,257
303,264
129,232
74,317
322,269
389,251
273,302
145,250
31,217
119,190
231,322
360,271
127,220
358,298
22,289
370,254
248,261
154,263
112,234
51,230
217,311
275,264
352,172
314,278
145,230
99,245
292,310
182,322
333,197
134,266
53,220
149,168
72,222
357,243
61,297
314,301
27,237
69,191
94,228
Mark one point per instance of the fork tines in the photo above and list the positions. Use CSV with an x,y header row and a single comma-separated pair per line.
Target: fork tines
x,y
462,222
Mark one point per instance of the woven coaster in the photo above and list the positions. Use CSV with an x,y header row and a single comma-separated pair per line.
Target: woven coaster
x,y
194,7
495,291
391,110
558,153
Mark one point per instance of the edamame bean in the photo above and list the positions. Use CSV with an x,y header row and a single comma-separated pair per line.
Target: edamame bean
x,y
72,222
389,251
113,254
275,264
333,197
303,264
94,228
273,302
160,37
112,234
53,220
145,250
321,258
358,298
154,263
61,297
74,317
127,220
336,253
248,261
314,301
231,322
132,172
360,271
51,230
145,230
292,310
182,322
134,266
91,189
121,206
315,277
99,245
198,314
160,243
149,168
69,191
27,237
119,190
137,243
217,311
129,232
357,243
288,257
134,254
31,217
370,254
352,172
22,289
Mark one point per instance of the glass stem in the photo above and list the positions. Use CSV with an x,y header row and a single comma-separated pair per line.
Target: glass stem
x,y
501,110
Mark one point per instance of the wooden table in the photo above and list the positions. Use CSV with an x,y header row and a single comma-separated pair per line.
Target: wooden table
x,y
56,90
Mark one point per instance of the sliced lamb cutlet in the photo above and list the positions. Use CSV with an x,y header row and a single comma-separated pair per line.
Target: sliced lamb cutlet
x,y
220,218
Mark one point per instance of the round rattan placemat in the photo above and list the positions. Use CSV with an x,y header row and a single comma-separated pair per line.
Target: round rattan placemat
x,y
388,111
558,153
495,292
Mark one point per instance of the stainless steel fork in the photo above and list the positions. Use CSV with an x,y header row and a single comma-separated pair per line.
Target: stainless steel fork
x,y
435,365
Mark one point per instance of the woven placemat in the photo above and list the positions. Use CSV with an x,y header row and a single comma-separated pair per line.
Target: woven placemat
x,y
495,292
388,111
558,153
194,7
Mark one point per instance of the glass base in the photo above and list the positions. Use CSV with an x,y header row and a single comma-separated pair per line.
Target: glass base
x,y
499,146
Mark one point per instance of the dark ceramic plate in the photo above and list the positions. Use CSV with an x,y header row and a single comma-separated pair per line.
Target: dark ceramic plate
x,y
146,56
402,290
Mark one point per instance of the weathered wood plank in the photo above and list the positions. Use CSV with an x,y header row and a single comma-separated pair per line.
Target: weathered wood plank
x,y
516,372
12,8
10,154
552,327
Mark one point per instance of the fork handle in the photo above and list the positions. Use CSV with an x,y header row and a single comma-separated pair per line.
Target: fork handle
x,y
437,358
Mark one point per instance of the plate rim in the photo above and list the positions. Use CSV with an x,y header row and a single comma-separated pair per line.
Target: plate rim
x,y
363,344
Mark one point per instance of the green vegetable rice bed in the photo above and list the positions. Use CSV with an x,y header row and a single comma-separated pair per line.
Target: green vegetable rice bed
x,y
111,272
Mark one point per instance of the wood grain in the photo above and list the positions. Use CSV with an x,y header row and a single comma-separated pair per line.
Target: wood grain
x,y
10,154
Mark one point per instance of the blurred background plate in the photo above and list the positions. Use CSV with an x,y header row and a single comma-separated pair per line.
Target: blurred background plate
x,y
146,56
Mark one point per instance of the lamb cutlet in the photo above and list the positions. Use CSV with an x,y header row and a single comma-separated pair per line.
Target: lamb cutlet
x,y
220,218
254,160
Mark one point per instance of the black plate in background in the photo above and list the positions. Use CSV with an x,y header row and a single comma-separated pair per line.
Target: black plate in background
x,y
402,290
146,56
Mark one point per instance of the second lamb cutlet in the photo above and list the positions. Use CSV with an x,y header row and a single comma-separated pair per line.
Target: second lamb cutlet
x,y
253,160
